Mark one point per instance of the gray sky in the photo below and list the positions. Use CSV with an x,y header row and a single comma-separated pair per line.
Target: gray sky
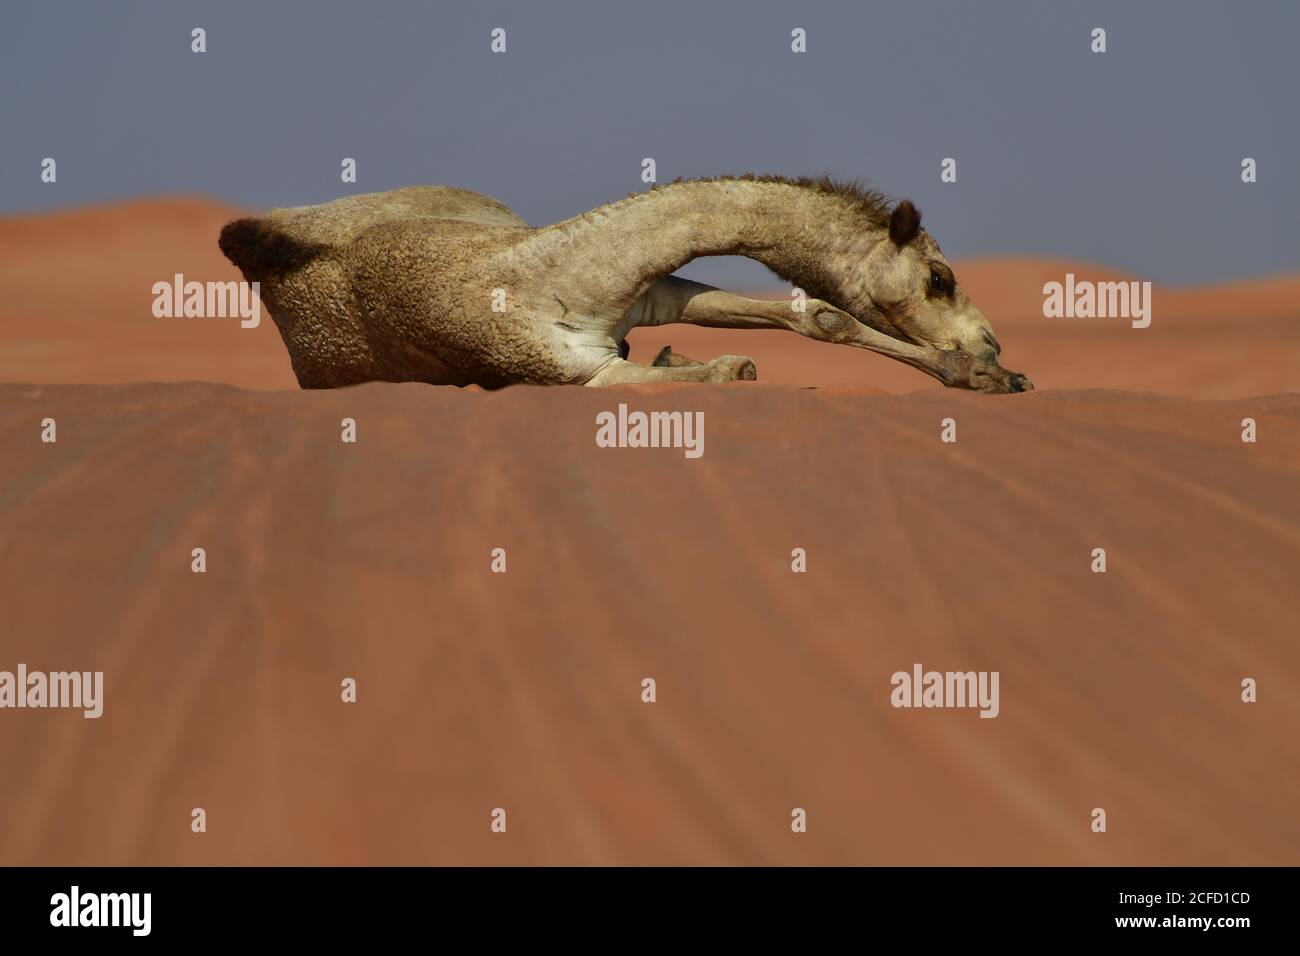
x,y
1129,158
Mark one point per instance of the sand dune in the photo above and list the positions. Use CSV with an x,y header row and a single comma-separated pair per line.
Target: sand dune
x,y
522,690
77,299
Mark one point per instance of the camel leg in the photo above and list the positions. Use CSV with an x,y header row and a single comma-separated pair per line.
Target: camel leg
x,y
667,358
673,299
725,368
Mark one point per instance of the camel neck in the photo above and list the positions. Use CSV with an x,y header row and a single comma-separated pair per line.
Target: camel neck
x,y
617,250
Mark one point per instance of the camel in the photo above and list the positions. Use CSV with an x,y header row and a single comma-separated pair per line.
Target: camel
x,y
441,285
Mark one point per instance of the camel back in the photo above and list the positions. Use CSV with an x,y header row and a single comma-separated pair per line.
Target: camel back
x,y
287,239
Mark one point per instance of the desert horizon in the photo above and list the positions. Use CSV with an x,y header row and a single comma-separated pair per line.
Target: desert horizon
x,y
52,330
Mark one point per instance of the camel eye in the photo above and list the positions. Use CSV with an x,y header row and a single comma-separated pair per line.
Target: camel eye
x,y
936,280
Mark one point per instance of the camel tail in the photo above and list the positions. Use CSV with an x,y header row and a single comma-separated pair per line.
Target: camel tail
x,y
260,249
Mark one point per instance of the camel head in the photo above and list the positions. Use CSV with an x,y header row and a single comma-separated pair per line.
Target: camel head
x,y
907,289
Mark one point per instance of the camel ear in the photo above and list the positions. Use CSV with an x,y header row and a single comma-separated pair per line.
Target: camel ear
x,y
904,223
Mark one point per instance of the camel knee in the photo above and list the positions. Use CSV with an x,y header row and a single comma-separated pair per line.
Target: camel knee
x,y
828,324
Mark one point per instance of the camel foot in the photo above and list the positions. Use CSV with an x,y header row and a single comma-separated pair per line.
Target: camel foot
x,y
726,368
731,368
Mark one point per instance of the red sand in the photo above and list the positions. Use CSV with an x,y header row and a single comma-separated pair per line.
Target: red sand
x,y
522,690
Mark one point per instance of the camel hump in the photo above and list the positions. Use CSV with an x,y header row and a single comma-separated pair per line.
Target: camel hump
x,y
260,249
339,222
289,238
437,202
